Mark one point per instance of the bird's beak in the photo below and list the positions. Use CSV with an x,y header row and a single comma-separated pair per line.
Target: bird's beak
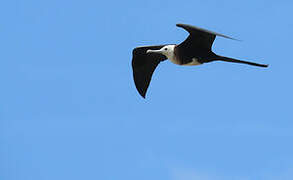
x,y
154,51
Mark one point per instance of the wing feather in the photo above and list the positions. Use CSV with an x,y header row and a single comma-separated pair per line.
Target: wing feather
x,y
143,66
200,37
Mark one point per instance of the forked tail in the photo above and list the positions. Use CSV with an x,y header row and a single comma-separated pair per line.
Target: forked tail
x,y
227,59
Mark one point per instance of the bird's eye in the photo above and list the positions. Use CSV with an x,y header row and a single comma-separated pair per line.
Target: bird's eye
x,y
166,49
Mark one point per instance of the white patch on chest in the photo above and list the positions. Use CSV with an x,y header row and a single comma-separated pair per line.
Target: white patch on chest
x,y
174,60
171,56
194,62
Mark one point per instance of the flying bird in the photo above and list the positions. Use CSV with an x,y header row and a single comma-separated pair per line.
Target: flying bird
x,y
196,49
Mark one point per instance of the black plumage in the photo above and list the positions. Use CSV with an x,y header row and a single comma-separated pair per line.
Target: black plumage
x,y
197,48
144,65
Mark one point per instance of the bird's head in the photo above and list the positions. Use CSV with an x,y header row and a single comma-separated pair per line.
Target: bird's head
x,y
167,50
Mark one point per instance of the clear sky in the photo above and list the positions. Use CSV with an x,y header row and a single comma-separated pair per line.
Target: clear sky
x,y
69,108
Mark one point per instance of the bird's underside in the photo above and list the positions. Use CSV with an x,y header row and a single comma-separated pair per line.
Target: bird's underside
x,y
195,50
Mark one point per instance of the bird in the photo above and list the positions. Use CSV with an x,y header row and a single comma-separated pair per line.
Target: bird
x,y
196,49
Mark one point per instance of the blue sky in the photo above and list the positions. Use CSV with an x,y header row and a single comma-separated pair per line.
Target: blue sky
x,y
69,108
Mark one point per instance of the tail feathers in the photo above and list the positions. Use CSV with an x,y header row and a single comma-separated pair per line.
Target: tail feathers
x,y
227,59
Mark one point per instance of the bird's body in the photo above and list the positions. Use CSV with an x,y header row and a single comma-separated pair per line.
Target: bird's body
x,y
195,50
173,56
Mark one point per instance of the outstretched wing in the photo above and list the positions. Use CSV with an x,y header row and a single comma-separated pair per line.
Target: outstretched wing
x,y
199,37
143,66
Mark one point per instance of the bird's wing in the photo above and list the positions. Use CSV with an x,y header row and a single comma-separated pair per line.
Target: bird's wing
x,y
143,66
199,37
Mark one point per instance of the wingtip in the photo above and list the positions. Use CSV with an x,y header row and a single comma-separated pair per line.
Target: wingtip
x,y
142,94
239,40
228,37
263,65
181,25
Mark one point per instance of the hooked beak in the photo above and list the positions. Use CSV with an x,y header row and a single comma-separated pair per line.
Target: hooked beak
x,y
153,51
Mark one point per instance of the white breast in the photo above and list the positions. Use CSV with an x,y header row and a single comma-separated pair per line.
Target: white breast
x,y
194,62
171,56
174,60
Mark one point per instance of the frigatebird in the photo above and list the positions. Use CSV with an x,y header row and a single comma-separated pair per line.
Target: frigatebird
x,y
196,49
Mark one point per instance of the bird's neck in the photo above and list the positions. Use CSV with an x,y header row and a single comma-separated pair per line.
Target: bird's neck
x,y
170,54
